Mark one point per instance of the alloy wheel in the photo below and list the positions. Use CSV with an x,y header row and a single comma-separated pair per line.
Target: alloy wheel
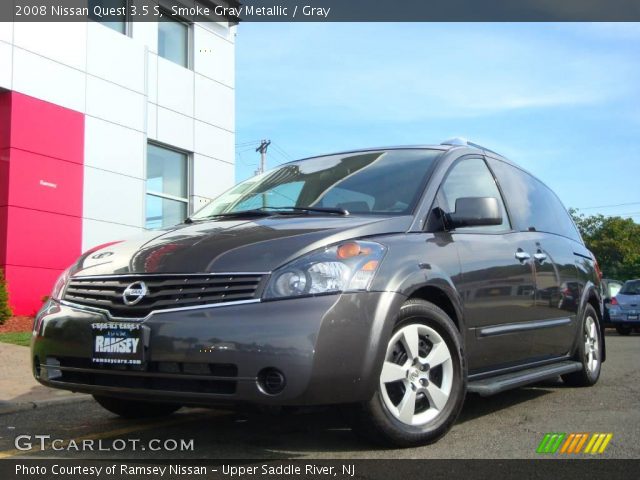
x,y
591,344
417,375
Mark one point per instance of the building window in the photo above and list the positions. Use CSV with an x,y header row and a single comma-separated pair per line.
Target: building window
x,y
173,40
119,21
167,187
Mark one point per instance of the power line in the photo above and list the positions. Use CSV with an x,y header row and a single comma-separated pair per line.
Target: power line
x,y
252,142
608,206
282,151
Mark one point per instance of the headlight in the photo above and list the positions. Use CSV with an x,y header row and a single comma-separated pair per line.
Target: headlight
x,y
344,267
61,285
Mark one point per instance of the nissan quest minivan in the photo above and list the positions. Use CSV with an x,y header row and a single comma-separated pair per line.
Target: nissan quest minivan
x,y
389,281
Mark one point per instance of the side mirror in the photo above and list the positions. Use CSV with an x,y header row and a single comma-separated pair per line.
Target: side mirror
x,y
475,212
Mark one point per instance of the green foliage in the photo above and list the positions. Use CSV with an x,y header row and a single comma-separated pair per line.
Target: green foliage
x,y
17,338
615,241
5,310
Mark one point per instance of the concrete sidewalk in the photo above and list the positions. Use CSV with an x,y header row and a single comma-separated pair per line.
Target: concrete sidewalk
x,y
18,389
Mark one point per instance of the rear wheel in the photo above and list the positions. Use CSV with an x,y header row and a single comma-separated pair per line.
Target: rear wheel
x,y
589,352
422,382
623,330
135,408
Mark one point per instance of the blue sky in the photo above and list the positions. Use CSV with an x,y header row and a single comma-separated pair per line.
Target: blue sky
x,y
562,100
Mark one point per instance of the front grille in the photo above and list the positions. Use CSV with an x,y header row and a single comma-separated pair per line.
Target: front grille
x,y
212,378
163,292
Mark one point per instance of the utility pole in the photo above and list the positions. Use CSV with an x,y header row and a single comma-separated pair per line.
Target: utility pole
x,y
264,144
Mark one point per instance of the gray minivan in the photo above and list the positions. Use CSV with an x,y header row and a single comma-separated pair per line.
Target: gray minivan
x,y
390,281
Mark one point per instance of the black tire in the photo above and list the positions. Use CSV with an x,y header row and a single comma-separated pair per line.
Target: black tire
x,y
373,421
623,330
586,377
133,409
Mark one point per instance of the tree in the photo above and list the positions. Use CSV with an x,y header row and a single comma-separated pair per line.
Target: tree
x,y
615,241
5,310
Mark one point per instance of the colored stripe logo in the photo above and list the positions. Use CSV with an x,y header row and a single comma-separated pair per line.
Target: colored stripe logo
x,y
574,443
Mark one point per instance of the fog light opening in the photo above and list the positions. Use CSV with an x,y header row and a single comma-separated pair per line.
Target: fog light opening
x,y
271,381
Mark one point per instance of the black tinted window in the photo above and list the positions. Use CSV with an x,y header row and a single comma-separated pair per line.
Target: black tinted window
x,y
383,182
471,178
531,203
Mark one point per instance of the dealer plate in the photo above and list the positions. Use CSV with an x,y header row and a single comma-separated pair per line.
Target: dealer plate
x,y
117,343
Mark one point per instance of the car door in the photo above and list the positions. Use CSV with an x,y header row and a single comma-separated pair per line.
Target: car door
x,y
497,282
552,239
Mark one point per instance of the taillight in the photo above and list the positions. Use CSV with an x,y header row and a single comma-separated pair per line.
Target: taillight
x,y
597,267
614,301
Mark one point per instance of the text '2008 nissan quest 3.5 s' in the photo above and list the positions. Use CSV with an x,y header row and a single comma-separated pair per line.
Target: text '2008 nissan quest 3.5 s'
x,y
390,281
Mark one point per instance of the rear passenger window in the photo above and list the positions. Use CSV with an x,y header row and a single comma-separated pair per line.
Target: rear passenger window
x,y
471,178
532,204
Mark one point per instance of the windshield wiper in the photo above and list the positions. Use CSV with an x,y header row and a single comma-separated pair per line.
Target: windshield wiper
x,y
271,211
256,212
330,210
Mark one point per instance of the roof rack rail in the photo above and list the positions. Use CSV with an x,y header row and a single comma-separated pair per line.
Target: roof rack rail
x,y
463,142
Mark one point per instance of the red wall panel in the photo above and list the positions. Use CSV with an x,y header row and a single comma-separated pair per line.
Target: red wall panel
x,y
47,129
45,183
3,235
27,287
5,119
4,177
42,239
41,178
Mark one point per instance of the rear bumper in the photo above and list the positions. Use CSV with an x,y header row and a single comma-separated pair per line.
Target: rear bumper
x,y
329,349
618,317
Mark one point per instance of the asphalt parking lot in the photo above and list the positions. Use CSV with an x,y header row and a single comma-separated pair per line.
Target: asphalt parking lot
x,y
510,425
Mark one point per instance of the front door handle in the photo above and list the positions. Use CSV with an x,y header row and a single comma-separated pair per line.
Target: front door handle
x,y
540,256
522,256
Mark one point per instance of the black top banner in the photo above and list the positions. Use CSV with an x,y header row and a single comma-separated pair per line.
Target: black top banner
x,y
322,10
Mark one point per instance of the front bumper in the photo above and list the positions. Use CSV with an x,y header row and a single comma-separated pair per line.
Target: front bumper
x,y
329,348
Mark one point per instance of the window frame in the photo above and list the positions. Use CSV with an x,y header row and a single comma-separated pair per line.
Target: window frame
x,y
438,197
128,22
190,39
167,196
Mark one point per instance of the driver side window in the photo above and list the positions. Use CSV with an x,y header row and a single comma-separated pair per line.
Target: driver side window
x,y
469,178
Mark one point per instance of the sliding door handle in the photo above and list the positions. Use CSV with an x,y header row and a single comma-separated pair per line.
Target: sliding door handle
x,y
522,256
540,256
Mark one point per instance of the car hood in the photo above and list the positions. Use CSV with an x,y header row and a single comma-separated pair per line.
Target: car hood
x,y
234,245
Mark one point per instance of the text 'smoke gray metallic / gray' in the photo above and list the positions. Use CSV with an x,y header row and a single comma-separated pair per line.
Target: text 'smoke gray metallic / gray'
x,y
389,281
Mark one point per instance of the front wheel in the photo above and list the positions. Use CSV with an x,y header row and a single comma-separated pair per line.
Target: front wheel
x,y
422,382
589,352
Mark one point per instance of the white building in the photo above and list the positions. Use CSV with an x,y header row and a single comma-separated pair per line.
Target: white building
x,y
106,129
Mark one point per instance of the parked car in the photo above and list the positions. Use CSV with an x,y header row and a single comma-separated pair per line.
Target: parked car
x,y
624,308
390,281
610,289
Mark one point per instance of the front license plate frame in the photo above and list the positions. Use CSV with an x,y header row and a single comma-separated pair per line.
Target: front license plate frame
x,y
117,343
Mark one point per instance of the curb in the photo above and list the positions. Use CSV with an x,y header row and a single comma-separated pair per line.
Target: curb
x,y
11,407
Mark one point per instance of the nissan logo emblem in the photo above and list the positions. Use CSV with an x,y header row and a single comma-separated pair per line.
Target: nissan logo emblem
x,y
134,293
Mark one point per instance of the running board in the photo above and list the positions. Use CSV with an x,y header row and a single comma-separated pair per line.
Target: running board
x,y
507,381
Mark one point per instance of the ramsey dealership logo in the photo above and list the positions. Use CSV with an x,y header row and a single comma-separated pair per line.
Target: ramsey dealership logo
x,y
134,293
573,443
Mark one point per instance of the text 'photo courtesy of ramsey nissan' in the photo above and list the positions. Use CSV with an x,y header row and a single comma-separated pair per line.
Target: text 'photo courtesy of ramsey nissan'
x,y
319,239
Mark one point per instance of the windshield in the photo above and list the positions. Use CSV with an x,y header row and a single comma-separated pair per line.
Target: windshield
x,y
632,287
380,182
